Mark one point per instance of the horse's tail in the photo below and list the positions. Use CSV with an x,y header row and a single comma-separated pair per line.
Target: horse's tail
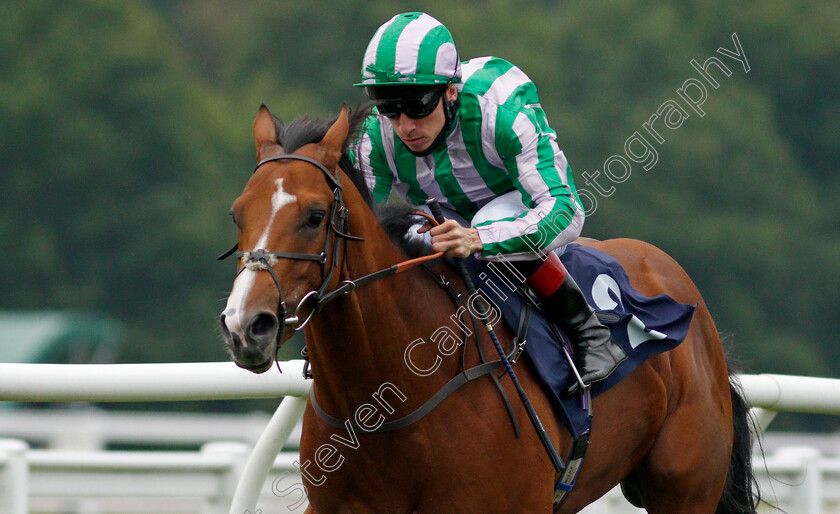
x,y
740,494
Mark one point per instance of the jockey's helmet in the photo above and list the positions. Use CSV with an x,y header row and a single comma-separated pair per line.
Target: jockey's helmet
x,y
409,63
410,49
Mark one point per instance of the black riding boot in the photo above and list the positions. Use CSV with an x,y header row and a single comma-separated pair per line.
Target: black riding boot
x,y
596,354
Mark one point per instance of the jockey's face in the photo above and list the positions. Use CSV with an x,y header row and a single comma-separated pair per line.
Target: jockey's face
x,y
418,134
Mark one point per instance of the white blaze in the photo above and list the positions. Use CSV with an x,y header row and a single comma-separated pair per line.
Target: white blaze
x,y
243,283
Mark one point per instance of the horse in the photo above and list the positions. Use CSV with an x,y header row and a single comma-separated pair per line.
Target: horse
x,y
674,433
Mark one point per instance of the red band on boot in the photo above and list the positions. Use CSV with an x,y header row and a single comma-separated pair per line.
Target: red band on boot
x,y
548,277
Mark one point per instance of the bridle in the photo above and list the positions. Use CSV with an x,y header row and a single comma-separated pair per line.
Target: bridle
x,y
260,259
263,260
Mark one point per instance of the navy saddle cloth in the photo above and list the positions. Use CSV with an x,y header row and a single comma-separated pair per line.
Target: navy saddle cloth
x,y
642,325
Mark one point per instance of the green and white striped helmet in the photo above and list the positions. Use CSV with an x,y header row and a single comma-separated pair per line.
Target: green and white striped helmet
x,y
411,48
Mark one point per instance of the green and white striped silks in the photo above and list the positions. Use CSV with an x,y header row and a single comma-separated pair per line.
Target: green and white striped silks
x,y
500,142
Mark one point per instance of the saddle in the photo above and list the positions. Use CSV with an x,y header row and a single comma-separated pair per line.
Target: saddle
x,y
643,326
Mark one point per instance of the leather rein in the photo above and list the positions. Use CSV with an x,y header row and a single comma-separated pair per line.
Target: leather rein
x,y
263,260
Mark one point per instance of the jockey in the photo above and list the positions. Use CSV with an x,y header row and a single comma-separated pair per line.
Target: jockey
x,y
474,136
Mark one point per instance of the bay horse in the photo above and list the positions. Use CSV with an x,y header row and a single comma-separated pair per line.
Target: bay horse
x,y
674,433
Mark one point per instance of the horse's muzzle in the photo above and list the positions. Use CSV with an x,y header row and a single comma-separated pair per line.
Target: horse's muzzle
x,y
254,344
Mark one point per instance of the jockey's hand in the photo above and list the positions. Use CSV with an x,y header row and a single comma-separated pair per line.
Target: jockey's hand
x,y
452,238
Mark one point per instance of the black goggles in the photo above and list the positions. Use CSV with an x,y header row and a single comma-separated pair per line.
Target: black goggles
x,y
415,108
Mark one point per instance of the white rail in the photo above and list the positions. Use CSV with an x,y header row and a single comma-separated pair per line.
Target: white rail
x,y
90,428
146,382
793,394
171,382
767,394
202,481
224,380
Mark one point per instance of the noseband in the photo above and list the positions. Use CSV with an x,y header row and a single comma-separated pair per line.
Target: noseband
x,y
260,259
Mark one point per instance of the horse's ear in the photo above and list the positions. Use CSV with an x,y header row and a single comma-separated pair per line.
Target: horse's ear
x,y
334,138
265,135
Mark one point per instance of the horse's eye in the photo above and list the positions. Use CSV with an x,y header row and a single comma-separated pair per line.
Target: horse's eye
x,y
315,218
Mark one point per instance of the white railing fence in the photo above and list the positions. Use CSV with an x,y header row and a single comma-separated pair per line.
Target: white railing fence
x,y
233,477
84,427
162,382
94,482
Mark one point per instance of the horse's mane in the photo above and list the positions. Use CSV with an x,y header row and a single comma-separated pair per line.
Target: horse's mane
x,y
395,217
304,130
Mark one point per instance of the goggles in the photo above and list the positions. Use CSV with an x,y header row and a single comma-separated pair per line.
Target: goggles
x,y
415,107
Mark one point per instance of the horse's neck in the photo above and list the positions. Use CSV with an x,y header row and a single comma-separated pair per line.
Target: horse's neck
x,y
358,342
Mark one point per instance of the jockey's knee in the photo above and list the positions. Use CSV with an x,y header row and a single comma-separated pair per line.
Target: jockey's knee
x,y
509,205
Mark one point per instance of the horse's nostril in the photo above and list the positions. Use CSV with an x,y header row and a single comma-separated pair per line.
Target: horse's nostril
x,y
229,336
263,325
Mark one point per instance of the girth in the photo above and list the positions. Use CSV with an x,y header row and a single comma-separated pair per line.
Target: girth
x,y
453,385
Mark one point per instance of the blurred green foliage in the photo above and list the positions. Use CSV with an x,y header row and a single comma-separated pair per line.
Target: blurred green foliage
x,y
125,136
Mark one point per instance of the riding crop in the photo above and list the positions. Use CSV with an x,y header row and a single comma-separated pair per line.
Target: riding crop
x,y
556,460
